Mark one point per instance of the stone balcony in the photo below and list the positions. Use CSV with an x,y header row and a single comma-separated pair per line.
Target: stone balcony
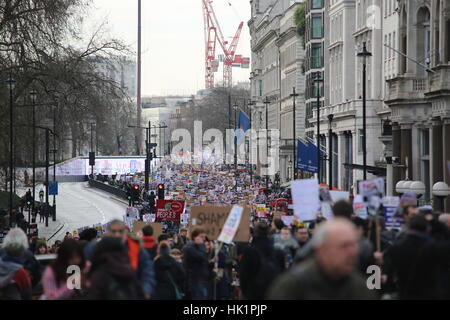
x,y
346,109
439,81
406,88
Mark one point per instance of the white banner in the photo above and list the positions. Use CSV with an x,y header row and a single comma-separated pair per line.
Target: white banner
x,y
305,198
231,225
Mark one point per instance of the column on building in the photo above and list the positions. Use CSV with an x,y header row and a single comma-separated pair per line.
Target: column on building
x,y
406,151
326,163
437,157
396,143
446,152
341,159
355,174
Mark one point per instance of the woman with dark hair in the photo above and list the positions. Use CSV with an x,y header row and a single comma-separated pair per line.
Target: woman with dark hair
x,y
54,280
111,276
169,275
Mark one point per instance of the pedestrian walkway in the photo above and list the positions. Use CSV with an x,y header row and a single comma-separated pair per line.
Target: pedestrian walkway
x,y
55,229
52,232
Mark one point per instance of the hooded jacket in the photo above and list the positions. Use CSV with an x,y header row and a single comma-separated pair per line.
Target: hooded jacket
x,y
15,283
112,278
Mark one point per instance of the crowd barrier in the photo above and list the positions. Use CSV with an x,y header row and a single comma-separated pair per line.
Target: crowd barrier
x,y
108,188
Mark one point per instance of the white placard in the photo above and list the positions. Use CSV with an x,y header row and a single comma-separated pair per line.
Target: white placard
x,y
359,207
339,195
305,197
231,225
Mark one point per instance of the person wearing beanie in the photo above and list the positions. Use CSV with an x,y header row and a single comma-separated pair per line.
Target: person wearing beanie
x,y
169,275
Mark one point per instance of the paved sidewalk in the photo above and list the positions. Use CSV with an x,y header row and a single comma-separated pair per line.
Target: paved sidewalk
x,y
55,229
52,232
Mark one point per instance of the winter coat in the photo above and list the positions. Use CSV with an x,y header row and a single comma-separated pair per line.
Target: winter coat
x,y
196,264
306,281
399,258
28,261
289,248
169,273
150,246
15,283
430,272
260,264
113,279
142,264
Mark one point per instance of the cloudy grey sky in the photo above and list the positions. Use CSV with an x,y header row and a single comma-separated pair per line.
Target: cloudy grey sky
x,y
173,39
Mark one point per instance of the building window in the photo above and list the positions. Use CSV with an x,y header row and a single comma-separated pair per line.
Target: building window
x,y
260,82
317,26
316,4
361,140
316,56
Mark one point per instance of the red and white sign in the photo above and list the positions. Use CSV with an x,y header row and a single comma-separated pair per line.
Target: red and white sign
x,y
169,210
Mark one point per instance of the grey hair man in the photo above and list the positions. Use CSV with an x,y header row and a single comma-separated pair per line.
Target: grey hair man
x,y
331,273
445,219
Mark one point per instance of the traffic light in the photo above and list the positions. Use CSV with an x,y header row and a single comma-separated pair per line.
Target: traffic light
x,y
135,192
29,199
161,191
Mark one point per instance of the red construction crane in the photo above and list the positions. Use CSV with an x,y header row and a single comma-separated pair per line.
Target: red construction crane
x,y
213,33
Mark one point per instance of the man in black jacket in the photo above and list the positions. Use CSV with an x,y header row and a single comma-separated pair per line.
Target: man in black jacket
x,y
261,263
400,257
196,264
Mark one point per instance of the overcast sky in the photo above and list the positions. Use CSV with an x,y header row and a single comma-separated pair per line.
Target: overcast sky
x,y
173,39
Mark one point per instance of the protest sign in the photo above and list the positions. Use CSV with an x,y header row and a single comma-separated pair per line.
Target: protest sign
x,y
372,192
261,210
169,210
212,218
231,225
359,208
287,220
390,207
305,196
339,195
157,227
132,212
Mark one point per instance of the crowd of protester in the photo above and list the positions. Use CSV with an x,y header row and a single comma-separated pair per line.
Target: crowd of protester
x,y
323,259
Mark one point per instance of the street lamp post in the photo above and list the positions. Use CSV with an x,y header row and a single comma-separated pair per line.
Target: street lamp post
x,y
235,108
92,146
294,95
318,80
440,191
330,150
267,102
250,156
364,54
11,85
33,96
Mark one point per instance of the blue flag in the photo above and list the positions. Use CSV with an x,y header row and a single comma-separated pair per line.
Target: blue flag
x,y
244,125
302,156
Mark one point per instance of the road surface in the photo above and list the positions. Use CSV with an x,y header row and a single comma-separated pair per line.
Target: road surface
x,y
79,205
